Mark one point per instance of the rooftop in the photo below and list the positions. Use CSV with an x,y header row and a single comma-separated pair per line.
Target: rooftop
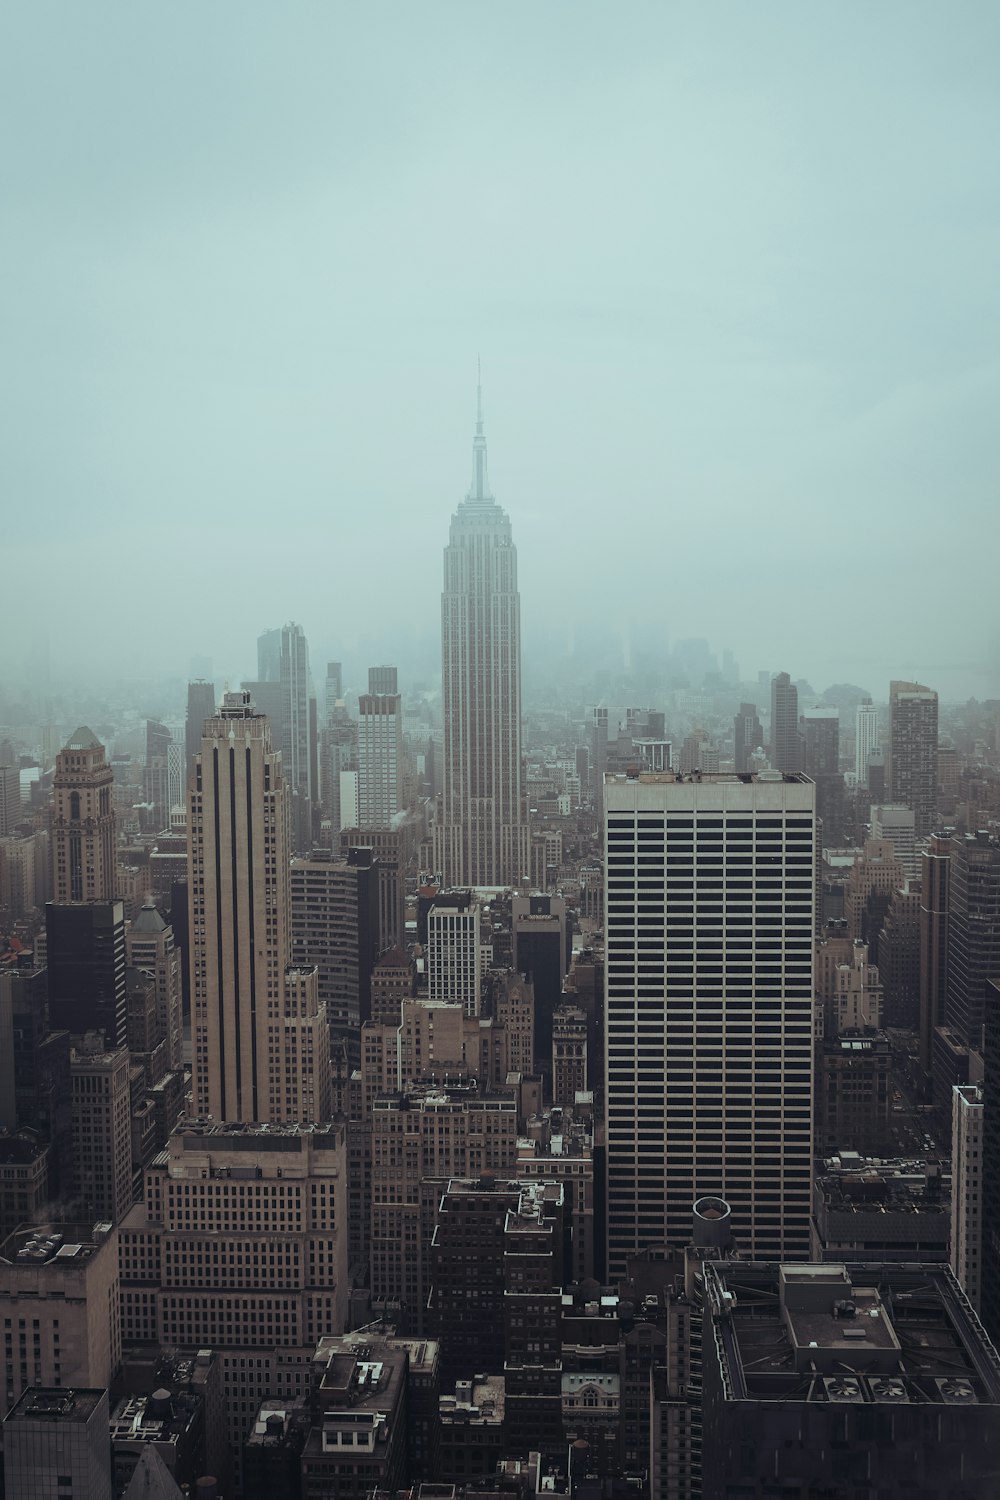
x,y
64,1245
857,1333
55,1404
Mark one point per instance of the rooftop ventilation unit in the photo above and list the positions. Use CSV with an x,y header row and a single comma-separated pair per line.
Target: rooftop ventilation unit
x,y
955,1391
843,1389
884,1388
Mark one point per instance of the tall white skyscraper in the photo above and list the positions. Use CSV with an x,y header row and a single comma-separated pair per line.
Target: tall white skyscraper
x,y
865,738
380,758
482,837
709,1007
260,1042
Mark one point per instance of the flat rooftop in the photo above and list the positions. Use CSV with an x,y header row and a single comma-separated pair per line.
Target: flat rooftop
x,y
859,1332
56,1404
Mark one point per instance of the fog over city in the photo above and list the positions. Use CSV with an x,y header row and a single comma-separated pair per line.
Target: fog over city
x,y
731,271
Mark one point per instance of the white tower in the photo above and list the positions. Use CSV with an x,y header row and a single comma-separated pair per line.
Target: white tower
x,y
482,837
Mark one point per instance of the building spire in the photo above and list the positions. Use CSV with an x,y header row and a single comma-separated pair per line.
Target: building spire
x,y
480,485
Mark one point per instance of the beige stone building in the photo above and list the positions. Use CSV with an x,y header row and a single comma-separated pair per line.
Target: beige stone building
x,y
259,1031
240,1245
59,1303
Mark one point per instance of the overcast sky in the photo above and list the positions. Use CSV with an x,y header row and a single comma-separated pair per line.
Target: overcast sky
x,y
731,269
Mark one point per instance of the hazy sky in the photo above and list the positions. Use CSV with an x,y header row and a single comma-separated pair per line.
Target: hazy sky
x,y
732,271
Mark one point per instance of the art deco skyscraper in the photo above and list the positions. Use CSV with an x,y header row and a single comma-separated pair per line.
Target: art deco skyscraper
x,y
709,1007
482,837
83,822
260,1035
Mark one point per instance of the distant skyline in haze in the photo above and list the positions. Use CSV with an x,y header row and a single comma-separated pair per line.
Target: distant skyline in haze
x,y
731,271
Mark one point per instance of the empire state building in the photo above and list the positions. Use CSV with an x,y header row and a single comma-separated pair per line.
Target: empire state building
x,y
482,836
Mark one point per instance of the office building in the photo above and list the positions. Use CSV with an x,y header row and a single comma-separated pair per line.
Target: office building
x,y
60,1307
482,836
973,931
897,825
102,1134
380,759
394,980
83,822
899,959
150,948
176,1420
569,1055
357,1445
390,849
541,952
846,1379
819,731
989,1305
709,1007
786,742
156,774
913,747
260,1047
383,681
56,1445
85,948
967,1189
420,1139
334,688
335,927
880,1208
283,665
454,953
748,736
10,799
200,706
866,739
240,1245
935,875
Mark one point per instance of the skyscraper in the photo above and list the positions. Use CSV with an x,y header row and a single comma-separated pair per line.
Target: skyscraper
x,y
819,729
283,691
83,822
200,706
913,745
786,743
865,738
747,735
482,836
260,1044
380,758
709,1007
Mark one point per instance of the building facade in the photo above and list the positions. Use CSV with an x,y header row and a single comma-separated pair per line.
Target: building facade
x,y
709,1007
913,751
